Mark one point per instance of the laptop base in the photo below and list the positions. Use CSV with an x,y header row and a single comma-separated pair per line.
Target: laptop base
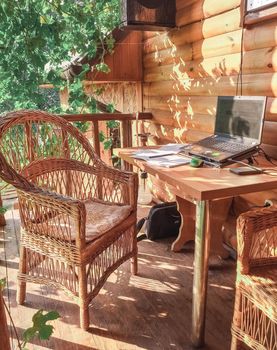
x,y
211,162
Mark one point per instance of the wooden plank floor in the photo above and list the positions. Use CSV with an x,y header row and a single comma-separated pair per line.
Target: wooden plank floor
x,y
148,311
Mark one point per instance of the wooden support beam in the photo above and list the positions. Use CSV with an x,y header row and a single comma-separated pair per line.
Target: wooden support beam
x,y
96,141
127,140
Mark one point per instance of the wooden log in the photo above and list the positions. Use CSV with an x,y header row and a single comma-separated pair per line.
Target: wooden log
x,y
260,36
178,135
189,104
148,34
181,3
168,56
198,105
255,61
271,150
203,9
218,45
182,120
163,117
269,133
271,109
253,84
223,23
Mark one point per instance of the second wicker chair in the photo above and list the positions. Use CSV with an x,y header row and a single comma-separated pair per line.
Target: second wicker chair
x,y
255,315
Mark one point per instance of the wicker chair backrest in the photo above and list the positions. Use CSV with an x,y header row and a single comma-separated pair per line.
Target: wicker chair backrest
x,y
27,136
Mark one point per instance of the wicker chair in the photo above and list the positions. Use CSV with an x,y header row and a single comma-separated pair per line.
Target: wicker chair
x,y
77,214
255,314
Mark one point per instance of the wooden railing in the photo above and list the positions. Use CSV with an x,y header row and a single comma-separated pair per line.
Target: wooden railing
x,y
124,118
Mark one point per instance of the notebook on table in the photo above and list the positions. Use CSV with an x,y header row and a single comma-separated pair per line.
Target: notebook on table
x,y
238,130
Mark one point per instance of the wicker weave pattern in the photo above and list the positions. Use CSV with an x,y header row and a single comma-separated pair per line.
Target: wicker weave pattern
x,y
255,314
56,171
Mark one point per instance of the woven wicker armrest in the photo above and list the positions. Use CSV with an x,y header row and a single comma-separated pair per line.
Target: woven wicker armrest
x,y
257,238
55,216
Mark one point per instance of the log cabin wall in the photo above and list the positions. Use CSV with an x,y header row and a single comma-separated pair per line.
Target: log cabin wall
x,y
185,69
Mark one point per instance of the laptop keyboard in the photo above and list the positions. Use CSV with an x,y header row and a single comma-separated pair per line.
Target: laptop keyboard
x,y
223,146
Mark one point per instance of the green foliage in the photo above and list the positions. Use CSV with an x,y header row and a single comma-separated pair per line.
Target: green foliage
x,y
38,37
109,140
3,210
40,327
2,283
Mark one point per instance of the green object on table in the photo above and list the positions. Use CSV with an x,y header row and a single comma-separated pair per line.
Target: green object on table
x,y
196,162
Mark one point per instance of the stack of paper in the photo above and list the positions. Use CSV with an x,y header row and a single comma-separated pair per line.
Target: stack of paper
x,y
166,150
169,161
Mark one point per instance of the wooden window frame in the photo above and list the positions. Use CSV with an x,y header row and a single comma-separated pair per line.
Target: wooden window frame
x,y
258,15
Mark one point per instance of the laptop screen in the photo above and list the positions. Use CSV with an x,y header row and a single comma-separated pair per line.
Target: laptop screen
x,y
240,116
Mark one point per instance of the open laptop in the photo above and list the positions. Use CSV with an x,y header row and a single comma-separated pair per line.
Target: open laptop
x,y
238,130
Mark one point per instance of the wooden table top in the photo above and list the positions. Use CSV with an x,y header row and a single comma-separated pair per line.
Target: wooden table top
x,y
205,183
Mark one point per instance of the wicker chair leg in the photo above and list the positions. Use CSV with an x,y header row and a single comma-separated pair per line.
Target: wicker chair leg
x,y
134,259
21,290
84,310
235,345
84,317
134,264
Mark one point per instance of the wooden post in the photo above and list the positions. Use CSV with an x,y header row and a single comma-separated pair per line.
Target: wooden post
x,y
2,217
127,140
4,333
96,137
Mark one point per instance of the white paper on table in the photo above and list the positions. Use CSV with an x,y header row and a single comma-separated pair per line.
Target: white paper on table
x,y
169,161
166,150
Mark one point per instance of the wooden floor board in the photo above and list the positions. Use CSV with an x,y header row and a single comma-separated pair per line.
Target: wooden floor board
x,y
149,311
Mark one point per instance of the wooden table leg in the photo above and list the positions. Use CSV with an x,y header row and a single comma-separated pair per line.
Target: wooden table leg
x,y
187,228
200,275
210,216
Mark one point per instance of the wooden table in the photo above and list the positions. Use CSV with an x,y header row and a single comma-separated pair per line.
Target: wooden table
x,y
203,186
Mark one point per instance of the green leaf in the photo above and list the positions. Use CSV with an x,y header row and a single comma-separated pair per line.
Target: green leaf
x,y
29,334
102,67
2,283
110,108
112,124
45,332
108,144
3,210
102,137
51,315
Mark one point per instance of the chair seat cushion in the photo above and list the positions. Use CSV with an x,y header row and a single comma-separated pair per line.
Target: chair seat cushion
x,y
100,218
261,288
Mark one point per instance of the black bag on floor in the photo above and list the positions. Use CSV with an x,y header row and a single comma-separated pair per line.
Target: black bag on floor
x,y
163,221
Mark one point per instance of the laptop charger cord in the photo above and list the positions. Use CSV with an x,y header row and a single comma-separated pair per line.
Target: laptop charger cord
x,y
267,157
258,169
